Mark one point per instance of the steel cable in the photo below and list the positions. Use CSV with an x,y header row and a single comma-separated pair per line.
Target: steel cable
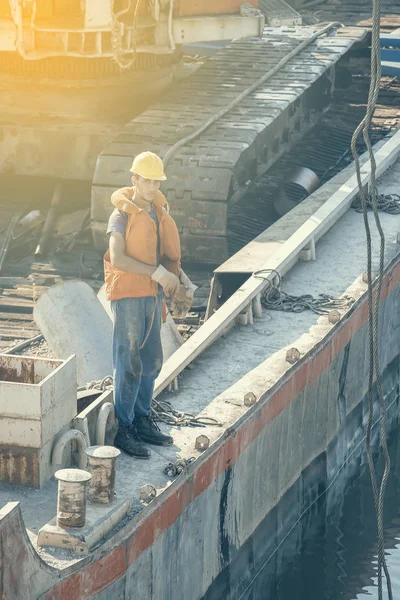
x,y
373,300
389,203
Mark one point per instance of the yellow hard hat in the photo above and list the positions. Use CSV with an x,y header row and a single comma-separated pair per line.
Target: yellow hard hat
x,y
149,166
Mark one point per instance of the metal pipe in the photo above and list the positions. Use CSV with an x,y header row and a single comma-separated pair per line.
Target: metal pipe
x,y
7,239
300,183
257,307
106,410
25,344
101,466
59,447
50,220
71,499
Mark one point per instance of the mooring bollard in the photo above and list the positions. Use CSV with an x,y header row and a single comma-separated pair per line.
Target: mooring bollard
x,y
101,466
71,501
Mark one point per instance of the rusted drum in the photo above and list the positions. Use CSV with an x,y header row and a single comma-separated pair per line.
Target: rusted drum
x,y
71,501
101,466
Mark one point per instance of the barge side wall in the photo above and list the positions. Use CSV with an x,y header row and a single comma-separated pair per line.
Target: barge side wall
x,y
188,535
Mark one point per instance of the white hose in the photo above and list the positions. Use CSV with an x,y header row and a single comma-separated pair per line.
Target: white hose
x,y
59,447
106,410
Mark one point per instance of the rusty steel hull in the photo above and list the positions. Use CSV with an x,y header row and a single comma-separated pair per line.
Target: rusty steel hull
x,y
197,515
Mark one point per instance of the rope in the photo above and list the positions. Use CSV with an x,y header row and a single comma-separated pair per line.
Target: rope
x,y
180,143
274,298
389,203
373,300
161,410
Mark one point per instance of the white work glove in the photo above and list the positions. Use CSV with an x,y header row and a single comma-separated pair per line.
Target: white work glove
x,y
168,281
182,300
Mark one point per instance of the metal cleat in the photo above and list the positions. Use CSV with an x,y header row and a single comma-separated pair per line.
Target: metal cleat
x,y
249,399
147,493
202,443
292,356
334,316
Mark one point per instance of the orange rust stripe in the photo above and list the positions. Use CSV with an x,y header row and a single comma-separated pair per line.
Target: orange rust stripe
x,y
98,575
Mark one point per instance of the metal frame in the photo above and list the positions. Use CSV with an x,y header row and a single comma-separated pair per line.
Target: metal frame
x,y
92,38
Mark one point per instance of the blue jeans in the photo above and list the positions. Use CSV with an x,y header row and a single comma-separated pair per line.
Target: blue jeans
x,y
137,355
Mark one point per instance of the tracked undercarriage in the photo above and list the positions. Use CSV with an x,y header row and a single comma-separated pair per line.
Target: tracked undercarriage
x,y
212,172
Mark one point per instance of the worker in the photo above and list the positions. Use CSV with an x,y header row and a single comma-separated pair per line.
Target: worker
x,y
141,265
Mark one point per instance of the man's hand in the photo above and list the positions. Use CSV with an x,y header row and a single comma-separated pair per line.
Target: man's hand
x,y
182,300
168,281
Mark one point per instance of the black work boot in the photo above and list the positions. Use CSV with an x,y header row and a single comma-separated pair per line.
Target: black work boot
x,y
148,431
127,441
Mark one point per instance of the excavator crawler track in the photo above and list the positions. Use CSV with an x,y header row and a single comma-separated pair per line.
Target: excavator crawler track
x,y
213,171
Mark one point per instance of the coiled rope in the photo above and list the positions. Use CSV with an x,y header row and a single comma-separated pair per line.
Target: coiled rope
x,y
389,203
373,299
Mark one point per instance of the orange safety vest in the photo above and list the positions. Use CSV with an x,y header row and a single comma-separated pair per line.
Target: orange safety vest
x,y
141,244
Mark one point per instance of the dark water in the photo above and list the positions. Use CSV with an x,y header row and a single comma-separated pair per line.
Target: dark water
x,y
332,552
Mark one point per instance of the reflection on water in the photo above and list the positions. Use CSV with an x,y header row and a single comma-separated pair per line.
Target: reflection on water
x,y
332,553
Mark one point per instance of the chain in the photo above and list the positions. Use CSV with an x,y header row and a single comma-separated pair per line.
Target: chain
x,y
161,410
274,298
176,468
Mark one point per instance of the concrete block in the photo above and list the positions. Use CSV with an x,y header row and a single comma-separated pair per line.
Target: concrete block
x,y
37,402
37,398
100,520
19,465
